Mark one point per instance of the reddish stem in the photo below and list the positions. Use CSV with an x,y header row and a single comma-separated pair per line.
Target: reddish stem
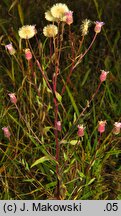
x,y
82,113
73,59
82,55
72,65
44,76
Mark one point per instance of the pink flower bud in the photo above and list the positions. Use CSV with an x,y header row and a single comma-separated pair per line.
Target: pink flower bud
x,y
101,126
10,49
98,26
80,131
28,54
58,126
103,75
13,98
6,132
117,127
68,18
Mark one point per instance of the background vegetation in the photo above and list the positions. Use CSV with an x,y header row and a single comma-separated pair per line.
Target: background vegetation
x,y
18,178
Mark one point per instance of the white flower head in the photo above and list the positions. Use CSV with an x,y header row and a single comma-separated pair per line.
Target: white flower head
x,y
49,17
58,10
27,31
50,30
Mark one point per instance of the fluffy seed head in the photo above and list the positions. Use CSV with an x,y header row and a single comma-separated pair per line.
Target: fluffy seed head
x,y
58,10
50,30
27,31
49,17
85,26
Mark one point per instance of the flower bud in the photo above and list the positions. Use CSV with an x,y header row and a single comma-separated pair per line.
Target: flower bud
x,y
117,127
80,131
68,18
103,75
98,26
58,126
28,54
13,98
6,132
101,126
10,49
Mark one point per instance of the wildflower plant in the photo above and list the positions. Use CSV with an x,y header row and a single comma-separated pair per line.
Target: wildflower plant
x,y
53,141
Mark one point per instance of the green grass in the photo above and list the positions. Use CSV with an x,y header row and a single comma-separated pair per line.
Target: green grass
x,y
88,167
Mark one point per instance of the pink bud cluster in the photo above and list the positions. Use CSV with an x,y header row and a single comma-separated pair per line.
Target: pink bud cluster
x,y
101,128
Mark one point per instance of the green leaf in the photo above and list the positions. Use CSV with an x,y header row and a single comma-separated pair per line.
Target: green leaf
x,y
73,142
20,11
41,160
90,182
72,99
85,77
58,96
13,5
81,174
65,156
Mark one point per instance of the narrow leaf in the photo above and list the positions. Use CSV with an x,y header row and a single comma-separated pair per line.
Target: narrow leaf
x,y
41,160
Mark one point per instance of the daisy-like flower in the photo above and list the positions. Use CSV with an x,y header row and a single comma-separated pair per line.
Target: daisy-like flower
x,y
49,17
58,10
10,49
50,30
27,31
98,26
85,26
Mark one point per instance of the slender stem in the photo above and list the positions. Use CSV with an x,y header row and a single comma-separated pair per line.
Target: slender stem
x,y
82,55
44,76
80,45
40,68
82,113
55,76
73,57
94,157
